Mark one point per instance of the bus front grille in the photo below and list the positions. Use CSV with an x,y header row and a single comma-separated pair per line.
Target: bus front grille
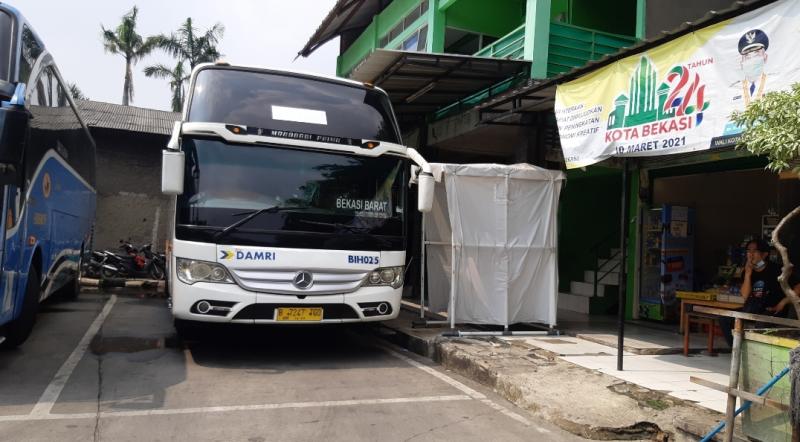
x,y
281,281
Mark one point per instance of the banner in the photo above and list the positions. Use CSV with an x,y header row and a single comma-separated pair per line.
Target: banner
x,y
678,97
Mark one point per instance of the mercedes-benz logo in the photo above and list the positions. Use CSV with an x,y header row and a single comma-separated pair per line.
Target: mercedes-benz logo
x,y
303,280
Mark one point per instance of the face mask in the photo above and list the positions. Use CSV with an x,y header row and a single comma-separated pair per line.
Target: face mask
x,y
753,68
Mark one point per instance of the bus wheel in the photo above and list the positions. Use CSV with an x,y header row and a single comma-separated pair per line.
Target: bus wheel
x,y
18,330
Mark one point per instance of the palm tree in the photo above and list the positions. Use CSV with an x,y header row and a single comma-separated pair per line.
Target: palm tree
x,y
76,92
188,44
176,78
127,42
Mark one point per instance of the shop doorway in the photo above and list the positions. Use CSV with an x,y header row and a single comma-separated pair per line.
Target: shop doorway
x,y
717,213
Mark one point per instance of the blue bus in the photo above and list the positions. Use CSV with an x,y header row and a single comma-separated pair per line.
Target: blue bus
x,y
47,180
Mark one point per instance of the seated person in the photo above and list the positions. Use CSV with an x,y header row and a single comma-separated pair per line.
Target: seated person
x,y
760,288
784,307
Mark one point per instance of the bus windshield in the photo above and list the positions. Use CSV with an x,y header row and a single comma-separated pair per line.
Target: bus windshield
x,y
295,104
325,199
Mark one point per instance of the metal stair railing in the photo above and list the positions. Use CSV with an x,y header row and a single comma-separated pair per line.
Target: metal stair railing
x,y
599,265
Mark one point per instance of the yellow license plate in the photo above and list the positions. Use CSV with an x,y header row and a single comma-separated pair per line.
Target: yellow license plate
x,y
299,314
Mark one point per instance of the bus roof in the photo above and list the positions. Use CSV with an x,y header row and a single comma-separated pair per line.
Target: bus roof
x,y
287,72
298,73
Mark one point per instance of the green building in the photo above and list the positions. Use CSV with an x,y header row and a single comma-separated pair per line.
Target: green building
x,y
475,80
440,59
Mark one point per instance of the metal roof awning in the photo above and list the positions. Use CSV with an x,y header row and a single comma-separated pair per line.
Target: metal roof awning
x,y
345,15
419,83
505,109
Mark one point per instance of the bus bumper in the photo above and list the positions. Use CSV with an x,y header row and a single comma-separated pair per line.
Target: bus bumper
x,y
229,303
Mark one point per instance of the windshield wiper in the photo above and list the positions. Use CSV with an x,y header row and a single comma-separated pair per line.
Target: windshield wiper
x,y
364,231
252,214
348,227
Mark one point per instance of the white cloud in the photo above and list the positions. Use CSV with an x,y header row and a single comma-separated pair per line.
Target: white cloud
x,y
261,33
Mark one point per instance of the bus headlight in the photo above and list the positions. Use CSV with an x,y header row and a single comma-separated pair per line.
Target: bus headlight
x,y
391,276
190,271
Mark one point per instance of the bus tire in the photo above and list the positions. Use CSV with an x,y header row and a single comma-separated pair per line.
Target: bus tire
x,y
18,330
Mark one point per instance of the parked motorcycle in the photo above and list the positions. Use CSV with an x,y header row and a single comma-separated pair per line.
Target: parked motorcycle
x,y
93,263
158,262
133,263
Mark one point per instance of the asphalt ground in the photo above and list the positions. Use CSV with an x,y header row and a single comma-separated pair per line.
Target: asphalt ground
x,y
110,367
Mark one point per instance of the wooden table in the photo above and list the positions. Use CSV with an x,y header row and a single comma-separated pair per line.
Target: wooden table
x,y
715,304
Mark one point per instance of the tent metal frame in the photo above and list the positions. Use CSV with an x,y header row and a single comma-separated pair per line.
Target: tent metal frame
x,y
451,318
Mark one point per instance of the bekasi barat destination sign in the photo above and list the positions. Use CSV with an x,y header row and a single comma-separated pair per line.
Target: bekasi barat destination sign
x,y
678,97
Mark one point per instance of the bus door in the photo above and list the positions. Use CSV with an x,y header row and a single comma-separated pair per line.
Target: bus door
x,y
7,277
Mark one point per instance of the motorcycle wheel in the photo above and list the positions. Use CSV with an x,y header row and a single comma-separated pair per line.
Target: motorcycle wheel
x,y
156,272
90,270
108,273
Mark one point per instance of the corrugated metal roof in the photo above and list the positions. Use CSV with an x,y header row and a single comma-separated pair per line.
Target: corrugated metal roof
x,y
130,118
345,15
419,83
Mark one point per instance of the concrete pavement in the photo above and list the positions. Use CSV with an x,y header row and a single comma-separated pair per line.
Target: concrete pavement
x,y
543,376
110,368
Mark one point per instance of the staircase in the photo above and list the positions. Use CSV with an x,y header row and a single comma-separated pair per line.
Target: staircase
x,y
582,296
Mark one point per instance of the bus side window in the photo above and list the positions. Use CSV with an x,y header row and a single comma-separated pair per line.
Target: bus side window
x,y
41,95
61,100
73,144
31,50
52,83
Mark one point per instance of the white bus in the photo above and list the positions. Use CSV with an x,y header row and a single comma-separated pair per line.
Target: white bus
x,y
291,200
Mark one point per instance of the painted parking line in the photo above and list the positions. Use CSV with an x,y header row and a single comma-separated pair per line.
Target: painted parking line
x,y
53,390
42,409
231,408
441,376
460,386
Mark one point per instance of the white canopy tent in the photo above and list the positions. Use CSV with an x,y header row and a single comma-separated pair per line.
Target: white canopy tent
x,y
490,244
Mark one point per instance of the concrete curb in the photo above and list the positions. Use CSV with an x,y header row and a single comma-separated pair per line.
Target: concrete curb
x,y
510,368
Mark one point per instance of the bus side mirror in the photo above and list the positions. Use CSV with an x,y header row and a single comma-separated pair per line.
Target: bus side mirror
x,y
172,165
425,184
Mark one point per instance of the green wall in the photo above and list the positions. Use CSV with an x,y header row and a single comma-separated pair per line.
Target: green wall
x,y
588,212
394,13
368,40
357,51
496,18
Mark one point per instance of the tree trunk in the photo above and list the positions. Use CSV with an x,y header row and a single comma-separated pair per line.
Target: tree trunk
x,y
176,99
786,270
127,87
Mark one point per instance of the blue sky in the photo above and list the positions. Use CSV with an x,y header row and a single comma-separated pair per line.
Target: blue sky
x,y
261,33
